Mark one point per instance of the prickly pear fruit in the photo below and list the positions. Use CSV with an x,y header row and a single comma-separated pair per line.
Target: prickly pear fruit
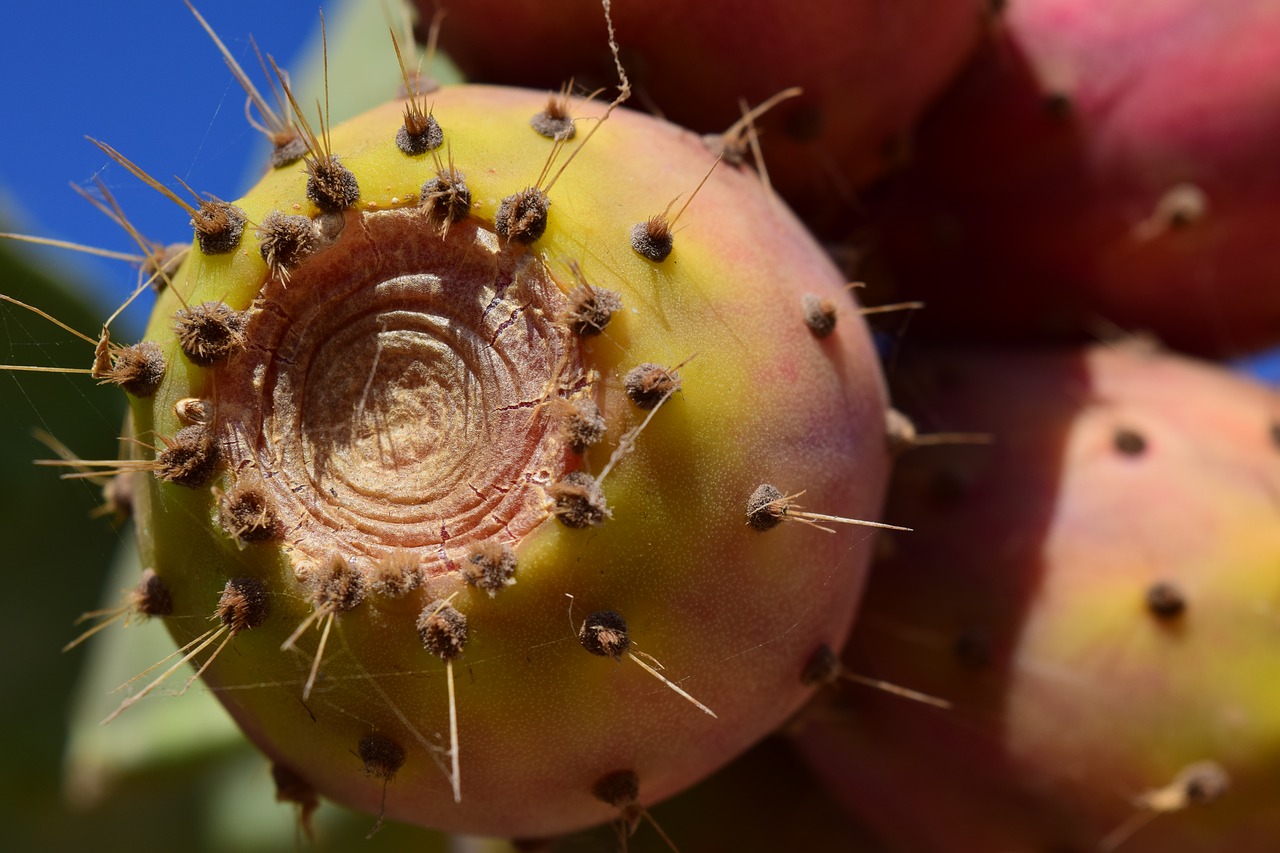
x,y
1097,598
1102,163
460,468
867,70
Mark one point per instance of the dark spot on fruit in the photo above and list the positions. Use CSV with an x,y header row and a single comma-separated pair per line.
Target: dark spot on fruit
x,y
420,132
1058,104
243,604
381,756
819,314
209,332
619,789
1204,782
331,185
150,596
189,459
219,227
823,667
490,566
285,241
1165,601
522,217
972,649
554,122
396,575
590,309
1275,435
766,507
336,586
579,500
1129,442
138,369
581,423
442,629
446,196
649,384
653,239
604,633
246,514
288,151
292,788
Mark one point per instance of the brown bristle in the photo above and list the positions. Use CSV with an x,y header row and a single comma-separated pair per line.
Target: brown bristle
x,y
210,332
138,369
151,597
491,565
765,507
522,217
442,629
579,500
819,314
653,238
219,227
604,633
285,241
381,756
337,586
590,309
190,458
649,384
396,575
581,423
331,185
243,604
446,196
246,514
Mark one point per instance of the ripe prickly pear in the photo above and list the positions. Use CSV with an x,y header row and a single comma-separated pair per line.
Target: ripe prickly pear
x,y
867,69
1096,597
445,468
1102,163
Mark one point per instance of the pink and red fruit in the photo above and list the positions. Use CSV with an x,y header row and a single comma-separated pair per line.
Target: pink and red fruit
x,y
1102,164
868,69
1096,596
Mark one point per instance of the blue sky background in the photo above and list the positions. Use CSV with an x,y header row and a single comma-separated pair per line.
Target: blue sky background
x,y
142,76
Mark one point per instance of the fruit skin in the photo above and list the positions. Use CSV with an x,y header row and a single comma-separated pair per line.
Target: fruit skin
x,y
1026,606
1032,209
868,68
732,614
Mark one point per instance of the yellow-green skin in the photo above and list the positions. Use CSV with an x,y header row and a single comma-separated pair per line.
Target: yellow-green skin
x,y
732,613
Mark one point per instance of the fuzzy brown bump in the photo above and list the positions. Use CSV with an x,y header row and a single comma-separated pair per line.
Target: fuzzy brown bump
x,y
210,332
419,134
285,241
819,314
292,788
243,604
649,384
190,458
442,629
1165,601
619,789
219,227
581,423
138,369
579,500
490,566
331,185
823,667
653,238
522,217
1204,782
766,507
446,196
381,756
396,575
336,586
288,150
117,497
604,633
1129,442
150,596
590,309
246,514
554,122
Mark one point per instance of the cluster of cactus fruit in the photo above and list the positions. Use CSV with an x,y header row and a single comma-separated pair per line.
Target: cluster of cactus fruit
x,y
462,446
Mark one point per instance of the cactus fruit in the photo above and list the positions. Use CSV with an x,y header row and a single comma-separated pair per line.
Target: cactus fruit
x,y
444,475
1096,596
866,69
1102,163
